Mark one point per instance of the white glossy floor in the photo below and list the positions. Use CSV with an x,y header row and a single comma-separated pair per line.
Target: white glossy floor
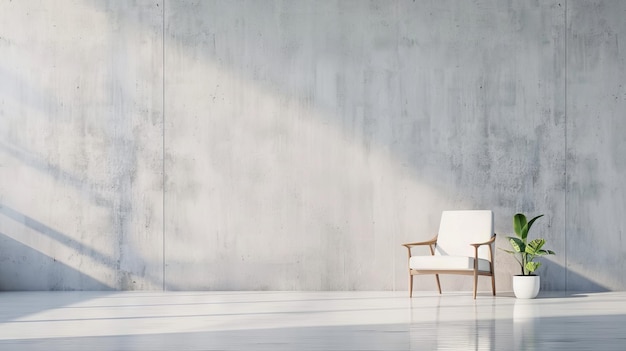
x,y
309,321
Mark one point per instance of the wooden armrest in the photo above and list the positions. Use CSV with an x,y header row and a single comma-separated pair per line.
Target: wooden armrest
x,y
493,238
429,242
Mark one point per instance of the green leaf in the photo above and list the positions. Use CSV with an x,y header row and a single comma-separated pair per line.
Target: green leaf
x,y
532,266
517,244
534,246
526,228
519,222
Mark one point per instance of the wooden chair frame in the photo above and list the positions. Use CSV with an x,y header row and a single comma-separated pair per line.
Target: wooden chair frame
x,y
475,272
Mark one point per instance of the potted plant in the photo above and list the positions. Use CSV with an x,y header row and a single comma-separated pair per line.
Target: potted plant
x,y
526,285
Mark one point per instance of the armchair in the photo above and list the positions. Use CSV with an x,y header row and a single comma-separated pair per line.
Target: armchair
x,y
463,246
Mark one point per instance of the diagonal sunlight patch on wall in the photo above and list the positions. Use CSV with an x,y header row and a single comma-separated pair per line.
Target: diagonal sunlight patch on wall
x,y
263,192
328,128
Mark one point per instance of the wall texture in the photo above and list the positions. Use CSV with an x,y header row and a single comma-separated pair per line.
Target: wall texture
x,y
81,163
283,145
595,234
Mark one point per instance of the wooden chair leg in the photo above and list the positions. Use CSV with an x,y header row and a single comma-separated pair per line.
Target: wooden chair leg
x,y
438,283
410,284
493,284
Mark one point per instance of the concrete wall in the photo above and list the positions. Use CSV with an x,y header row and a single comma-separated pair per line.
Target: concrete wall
x,y
596,145
231,145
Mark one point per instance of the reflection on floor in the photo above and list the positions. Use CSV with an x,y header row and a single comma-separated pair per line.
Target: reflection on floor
x,y
309,321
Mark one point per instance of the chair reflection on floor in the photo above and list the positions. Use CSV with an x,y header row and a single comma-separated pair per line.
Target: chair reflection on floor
x,y
453,328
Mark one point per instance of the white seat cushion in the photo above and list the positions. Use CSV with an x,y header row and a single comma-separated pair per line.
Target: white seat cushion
x,y
447,263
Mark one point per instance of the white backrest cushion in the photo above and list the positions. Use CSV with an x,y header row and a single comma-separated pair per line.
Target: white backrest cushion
x,y
459,229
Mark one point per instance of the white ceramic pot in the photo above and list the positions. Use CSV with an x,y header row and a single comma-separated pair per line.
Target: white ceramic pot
x,y
526,286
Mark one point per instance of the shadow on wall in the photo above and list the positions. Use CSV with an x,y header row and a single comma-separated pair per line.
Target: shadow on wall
x,y
24,268
582,282
551,269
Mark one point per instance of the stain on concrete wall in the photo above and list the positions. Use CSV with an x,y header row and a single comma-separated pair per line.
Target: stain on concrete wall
x,y
301,142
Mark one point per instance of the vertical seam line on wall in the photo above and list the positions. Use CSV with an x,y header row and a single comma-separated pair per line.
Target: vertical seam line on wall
x,y
565,148
163,137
